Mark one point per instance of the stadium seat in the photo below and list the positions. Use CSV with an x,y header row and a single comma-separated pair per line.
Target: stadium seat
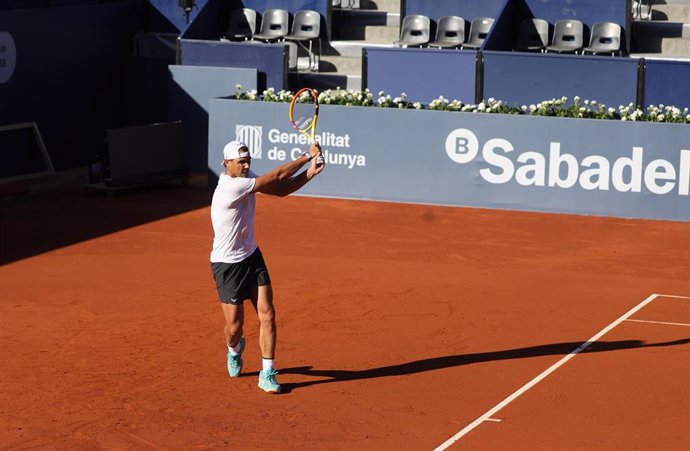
x,y
567,36
606,38
450,33
479,29
306,29
274,26
349,4
534,35
242,24
415,31
642,10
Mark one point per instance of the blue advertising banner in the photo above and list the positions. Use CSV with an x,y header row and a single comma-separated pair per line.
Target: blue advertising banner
x,y
581,166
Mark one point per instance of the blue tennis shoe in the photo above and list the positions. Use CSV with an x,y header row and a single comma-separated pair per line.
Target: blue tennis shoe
x,y
235,361
267,381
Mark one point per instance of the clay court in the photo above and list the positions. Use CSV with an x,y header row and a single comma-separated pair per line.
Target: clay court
x,y
400,327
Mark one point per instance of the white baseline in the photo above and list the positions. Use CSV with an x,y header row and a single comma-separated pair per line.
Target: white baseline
x,y
545,373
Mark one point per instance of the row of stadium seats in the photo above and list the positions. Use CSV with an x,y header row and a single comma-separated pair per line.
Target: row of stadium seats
x,y
567,36
275,27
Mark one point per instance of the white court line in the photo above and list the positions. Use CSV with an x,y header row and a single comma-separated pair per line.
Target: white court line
x,y
657,322
545,373
672,296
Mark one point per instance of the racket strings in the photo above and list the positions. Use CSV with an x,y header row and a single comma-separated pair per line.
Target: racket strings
x,y
302,115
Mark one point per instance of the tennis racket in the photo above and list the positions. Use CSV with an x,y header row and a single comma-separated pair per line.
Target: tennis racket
x,y
304,112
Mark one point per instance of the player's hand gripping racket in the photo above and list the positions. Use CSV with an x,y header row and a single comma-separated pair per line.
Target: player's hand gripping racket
x,y
304,112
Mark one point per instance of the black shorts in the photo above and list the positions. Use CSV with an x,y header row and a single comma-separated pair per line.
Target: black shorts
x,y
235,281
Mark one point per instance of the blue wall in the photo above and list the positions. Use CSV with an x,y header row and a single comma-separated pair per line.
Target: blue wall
x,y
13,4
422,74
525,78
468,9
668,83
268,59
190,90
68,77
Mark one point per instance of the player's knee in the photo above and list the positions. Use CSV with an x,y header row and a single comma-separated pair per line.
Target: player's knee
x,y
233,328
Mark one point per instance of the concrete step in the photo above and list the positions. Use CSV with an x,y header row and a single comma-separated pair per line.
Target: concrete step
x,y
344,65
322,82
372,26
661,29
662,46
354,48
671,12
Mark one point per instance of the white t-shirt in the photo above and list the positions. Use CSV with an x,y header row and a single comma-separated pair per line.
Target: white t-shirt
x,y
232,216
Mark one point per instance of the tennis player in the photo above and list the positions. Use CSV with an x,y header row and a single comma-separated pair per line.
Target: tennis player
x,y
237,265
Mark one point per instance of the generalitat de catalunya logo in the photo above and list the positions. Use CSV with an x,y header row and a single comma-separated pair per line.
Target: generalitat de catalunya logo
x,y
252,136
557,168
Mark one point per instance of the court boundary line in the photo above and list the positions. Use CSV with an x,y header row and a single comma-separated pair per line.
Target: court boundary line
x,y
520,391
672,296
665,323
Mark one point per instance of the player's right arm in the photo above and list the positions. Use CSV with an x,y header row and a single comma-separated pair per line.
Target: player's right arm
x,y
270,182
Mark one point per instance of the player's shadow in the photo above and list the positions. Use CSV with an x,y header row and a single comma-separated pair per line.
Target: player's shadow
x,y
437,363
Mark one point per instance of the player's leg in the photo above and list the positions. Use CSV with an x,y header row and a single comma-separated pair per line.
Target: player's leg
x,y
262,300
234,321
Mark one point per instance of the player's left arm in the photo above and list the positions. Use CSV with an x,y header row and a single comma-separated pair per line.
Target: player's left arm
x,y
289,186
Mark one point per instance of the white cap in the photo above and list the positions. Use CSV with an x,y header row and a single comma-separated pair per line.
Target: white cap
x,y
231,151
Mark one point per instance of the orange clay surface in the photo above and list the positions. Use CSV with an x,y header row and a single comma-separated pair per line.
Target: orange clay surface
x,y
399,325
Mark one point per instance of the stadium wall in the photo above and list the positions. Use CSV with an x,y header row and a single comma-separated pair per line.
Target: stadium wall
x,y
270,60
468,9
190,90
667,83
422,74
612,81
70,63
579,166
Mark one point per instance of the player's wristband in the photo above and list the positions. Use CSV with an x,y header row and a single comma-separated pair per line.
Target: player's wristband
x,y
308,155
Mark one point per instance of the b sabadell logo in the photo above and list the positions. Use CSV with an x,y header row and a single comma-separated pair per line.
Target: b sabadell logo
x,y
8,56
252,136
559,169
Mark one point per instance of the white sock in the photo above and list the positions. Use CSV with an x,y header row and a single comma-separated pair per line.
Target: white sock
x,y
234,350
267,364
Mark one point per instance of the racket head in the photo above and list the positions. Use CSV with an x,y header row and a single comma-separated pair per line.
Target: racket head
x,y
304,111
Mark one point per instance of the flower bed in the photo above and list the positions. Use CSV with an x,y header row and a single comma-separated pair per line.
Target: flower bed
x,y
578,108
